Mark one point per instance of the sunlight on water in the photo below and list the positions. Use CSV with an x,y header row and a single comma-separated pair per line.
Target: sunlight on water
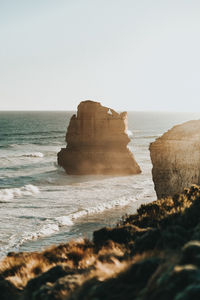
x,y
40,204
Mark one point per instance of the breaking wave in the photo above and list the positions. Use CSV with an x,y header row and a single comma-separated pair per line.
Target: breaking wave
x,y
34,154
68,220
129,133
29,134
9,194
53,225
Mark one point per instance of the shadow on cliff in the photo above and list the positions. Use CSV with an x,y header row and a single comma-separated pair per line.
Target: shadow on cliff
x,y
153,254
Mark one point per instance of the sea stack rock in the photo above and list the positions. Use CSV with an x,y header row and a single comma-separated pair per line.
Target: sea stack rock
x,y
97,142
176,159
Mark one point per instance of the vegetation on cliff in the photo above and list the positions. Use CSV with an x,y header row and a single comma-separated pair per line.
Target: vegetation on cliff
x,y
153,254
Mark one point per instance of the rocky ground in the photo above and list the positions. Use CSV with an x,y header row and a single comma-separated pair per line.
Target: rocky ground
x,y
154,254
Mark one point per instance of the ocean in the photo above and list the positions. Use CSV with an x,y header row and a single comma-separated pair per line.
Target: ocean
x,y
41,205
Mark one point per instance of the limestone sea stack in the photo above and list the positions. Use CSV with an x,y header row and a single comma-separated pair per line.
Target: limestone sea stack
x,y
176,159
97,142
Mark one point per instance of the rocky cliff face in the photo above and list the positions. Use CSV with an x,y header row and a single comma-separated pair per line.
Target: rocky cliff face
x,y
176,159
97,142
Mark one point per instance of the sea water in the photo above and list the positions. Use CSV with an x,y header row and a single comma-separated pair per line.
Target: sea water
x,y
41,205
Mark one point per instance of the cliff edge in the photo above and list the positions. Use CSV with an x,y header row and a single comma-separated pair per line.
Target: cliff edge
x,y
97,142
176,159
150,255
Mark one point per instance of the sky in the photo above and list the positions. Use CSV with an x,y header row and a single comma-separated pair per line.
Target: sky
x,y
137,55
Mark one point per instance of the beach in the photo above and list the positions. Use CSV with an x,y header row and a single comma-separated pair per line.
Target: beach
x,y
41,205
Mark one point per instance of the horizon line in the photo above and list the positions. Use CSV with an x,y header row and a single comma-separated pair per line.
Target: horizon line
x,y
72,110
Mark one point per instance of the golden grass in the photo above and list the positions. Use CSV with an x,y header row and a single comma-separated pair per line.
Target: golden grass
x,y
108,260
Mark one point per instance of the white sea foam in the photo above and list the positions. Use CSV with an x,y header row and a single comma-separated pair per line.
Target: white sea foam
x,y
53,225
64,221
68,220
15,242
9,194
129,133
45,230
34,154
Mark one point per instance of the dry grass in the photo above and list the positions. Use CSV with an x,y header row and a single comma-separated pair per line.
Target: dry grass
x,y
20,269
152,214
136,247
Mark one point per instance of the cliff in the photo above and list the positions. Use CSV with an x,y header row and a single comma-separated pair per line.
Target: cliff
x,y
153,254
176,159
97,142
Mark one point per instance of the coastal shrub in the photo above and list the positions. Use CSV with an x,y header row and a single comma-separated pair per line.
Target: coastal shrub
x,y
150,255
191,292
120,234
126,285
8,291
190,253
174,282
60,279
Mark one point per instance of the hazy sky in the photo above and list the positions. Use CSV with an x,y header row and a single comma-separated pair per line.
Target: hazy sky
x,y
127,54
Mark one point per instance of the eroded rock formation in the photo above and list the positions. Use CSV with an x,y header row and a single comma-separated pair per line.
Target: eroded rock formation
x,y
97,142
176,159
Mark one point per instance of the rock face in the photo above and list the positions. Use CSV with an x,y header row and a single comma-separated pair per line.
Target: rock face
x,y
97,142
176,159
